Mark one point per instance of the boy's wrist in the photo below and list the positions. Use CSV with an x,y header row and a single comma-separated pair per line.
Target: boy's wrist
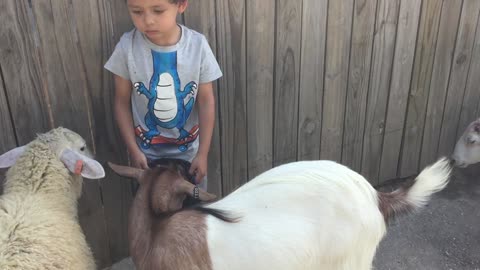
x,y
202,153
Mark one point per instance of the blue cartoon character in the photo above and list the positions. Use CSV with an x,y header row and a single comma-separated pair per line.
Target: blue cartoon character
x,y
167,104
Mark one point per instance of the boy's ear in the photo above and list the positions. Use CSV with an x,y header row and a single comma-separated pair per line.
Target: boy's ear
x,y
182,6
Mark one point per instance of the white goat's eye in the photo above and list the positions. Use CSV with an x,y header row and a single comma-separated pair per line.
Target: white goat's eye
x,y
83,148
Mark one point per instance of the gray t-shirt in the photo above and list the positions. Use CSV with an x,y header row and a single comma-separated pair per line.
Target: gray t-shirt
x,y
165,84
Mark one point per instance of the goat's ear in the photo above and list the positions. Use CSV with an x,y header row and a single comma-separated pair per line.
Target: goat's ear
x,y
9,158
189,189
127,171
80,164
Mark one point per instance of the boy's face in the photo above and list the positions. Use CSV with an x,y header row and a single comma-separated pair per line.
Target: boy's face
x,y
155,18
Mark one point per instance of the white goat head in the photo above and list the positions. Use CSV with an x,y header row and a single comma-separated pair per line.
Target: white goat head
x,y
467,150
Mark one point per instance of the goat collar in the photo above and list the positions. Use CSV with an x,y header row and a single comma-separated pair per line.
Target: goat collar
x,y
196,193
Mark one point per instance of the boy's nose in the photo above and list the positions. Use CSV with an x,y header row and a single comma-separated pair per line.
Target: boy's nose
x,y
149,20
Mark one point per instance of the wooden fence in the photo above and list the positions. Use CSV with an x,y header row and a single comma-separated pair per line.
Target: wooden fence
x,y
383,86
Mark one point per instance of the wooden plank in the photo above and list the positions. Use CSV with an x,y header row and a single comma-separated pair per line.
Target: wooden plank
x,y
470,112
260,59
339,30
458,76
201,16
314,29
447,34
99,24
287,70
420,86
399,87
71,105
358,82
232,93
8,141
382,63
22,70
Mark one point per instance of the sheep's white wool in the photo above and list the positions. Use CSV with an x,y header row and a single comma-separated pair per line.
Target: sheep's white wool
x,y
38,211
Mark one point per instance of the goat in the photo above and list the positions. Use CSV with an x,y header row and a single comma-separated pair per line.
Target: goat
x,y
307,215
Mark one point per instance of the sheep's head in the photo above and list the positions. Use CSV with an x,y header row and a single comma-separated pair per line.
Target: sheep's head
x,y
61,138
67,146
467,149
167,185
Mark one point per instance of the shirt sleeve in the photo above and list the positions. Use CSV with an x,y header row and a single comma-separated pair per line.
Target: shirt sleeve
x,y
209,68
117,63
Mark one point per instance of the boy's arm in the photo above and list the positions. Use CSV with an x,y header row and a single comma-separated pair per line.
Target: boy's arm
x,y
206,114
123,116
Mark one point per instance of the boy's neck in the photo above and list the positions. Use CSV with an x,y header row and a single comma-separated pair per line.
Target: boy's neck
x,y
168,39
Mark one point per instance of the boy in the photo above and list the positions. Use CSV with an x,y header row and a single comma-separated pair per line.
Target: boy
x,y
164,71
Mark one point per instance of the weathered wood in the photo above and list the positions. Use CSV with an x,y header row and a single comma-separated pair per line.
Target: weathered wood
x,y
382,63
471,100
21,69
314,29
8,141
71,105
339,30
399,87
96,32
358,82
447,34
458,76
201,16
287,69
231,41
420,86
260,59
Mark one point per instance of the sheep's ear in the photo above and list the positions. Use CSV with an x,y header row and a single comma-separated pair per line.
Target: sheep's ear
x,y
126,171
9,158
81,164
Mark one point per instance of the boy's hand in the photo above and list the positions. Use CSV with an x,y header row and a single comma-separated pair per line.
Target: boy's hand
x,y
199,167
139,160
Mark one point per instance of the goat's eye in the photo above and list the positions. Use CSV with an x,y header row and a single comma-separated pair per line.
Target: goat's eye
x,y
82,149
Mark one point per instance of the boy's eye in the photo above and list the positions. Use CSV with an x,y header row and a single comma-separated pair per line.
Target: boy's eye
x,y
158,11
137,12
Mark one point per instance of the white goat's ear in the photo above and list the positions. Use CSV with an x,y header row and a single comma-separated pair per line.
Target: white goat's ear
x,y
81,164
9,158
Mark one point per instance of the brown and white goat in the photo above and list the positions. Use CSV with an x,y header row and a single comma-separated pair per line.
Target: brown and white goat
x,y
307,215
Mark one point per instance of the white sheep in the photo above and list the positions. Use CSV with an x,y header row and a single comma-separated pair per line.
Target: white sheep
x,y
308,215
39,226
467,149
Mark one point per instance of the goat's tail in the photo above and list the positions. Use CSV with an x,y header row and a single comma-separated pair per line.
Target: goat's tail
x,y
413,197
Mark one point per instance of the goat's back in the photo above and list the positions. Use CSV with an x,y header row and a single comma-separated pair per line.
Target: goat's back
x,y
303,215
